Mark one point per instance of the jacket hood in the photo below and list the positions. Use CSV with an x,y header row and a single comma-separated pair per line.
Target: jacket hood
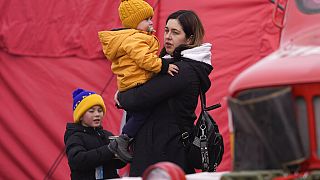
x,y
112,40
203,71
72,128
201,53
200,58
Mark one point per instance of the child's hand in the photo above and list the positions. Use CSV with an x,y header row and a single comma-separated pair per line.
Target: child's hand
x,y
172,69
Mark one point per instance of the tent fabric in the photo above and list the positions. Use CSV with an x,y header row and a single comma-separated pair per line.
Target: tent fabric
x,y
49,48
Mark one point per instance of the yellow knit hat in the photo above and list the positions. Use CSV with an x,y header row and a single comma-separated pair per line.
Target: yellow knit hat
x,y
132,12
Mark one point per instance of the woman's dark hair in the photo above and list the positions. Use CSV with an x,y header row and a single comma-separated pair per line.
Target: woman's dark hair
x,y
191,25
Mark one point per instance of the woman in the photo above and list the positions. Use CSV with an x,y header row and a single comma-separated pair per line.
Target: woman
x,y
171,100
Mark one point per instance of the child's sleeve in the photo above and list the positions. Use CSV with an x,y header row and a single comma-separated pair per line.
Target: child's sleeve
x,y
82,159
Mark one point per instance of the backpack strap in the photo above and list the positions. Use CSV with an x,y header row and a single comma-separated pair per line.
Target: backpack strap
x,y
203,127
203,137
185,135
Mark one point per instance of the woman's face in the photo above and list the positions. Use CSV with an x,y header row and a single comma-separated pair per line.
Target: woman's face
x,y
173,36
92,117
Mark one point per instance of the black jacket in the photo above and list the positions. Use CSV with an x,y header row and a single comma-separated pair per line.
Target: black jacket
x,y
87,149
172,102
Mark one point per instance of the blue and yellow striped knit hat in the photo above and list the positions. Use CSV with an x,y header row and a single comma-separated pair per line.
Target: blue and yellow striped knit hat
x,y
84,100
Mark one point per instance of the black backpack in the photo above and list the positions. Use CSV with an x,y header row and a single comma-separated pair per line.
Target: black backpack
x,y
205,144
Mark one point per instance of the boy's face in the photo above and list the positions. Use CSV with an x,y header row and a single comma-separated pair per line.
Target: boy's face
x,y
146,25
92,117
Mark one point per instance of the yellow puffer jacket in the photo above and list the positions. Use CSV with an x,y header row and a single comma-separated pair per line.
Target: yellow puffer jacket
x,y
133,54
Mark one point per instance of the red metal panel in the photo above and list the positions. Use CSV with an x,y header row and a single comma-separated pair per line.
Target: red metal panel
x,y
272,71
295,62
308,91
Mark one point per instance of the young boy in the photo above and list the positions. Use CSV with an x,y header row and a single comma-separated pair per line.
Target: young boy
x,y
133,53
87,142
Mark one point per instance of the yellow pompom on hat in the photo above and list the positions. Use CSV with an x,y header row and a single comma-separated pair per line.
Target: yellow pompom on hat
x,y
132,12
84,100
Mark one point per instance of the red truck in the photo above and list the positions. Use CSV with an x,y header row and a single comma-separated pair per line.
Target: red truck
x,y
274,105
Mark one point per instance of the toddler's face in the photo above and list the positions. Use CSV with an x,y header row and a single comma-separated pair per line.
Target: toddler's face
x,y
92,117
146,25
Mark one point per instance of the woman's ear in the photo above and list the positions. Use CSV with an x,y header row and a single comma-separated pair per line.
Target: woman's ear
x,y
190,40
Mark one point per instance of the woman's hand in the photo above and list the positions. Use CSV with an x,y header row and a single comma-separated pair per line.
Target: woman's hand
x,y
172,69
